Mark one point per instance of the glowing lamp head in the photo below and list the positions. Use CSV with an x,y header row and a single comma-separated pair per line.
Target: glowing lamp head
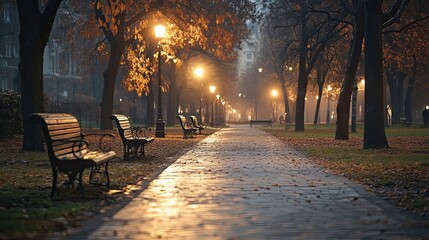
x,y
212,89
274,93
160,31
260,69
199,72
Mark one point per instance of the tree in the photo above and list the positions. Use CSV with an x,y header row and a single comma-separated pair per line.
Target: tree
x,y
343,107
122,25
36,24
309,27
279,63
375,19
406,47
314,36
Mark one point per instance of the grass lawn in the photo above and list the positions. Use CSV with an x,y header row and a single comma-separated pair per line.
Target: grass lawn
x,y
399,174
26,210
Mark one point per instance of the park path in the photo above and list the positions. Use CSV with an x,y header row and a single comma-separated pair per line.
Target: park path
x,y
242,183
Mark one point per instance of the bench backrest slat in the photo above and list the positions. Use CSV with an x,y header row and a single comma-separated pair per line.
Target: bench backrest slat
x,y
182,121
124,126
56,129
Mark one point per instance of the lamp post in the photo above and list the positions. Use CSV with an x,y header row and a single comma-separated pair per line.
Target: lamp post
x,y
199,72
217,109
160,131
274,94
212,91
328,109
256,96
223,112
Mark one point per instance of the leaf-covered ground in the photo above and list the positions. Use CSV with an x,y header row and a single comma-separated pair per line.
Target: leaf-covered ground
x,y
26,211
399,174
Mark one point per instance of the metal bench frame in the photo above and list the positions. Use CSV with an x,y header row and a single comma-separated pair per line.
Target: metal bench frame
x,y
133,143
260,122
195,124
68,150
188,129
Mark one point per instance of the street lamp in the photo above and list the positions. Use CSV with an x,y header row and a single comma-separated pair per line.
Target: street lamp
x,y
217,109
160,131
274,94
199,72
256,95
212,91
328,110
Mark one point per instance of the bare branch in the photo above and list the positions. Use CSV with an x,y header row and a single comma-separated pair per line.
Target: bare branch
x,y
394,14
406,25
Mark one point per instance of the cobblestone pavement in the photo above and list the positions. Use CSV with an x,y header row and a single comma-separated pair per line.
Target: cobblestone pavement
x,y
242,183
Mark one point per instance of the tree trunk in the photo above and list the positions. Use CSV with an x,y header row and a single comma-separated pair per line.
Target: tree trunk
x,y
109,75
286,102
343,107
395,80
319,99
354,100
172,103
408,98
303,77
321,78
393,89
374,132
33,37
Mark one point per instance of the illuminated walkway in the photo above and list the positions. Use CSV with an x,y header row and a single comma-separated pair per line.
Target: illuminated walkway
x,y
241,183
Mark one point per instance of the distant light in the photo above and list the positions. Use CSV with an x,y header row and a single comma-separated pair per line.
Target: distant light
x,y
120,99
274,93
217,96
239,94
212,89
260,69
290,68
329,88
199,72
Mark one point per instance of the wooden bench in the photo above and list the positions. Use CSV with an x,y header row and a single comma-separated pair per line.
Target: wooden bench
x,y
260,122
188,129
195,124
68,150
403,121
133,143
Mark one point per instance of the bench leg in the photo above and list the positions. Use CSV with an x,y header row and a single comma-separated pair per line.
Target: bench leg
x,y
125,150
80,184
106,172
54,182
97,170
141,152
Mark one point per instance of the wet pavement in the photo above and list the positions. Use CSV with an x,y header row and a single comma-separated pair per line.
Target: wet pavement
x,y
242,183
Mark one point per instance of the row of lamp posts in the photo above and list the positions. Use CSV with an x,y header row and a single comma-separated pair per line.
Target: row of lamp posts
x,y
160,32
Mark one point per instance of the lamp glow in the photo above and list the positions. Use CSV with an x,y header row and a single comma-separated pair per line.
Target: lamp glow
x,y
160,31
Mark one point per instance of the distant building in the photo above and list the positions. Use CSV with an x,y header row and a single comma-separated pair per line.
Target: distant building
x,y
9,45
249,50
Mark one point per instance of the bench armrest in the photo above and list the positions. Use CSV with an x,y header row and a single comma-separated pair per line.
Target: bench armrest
x,y
77,143
102,136
136,131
